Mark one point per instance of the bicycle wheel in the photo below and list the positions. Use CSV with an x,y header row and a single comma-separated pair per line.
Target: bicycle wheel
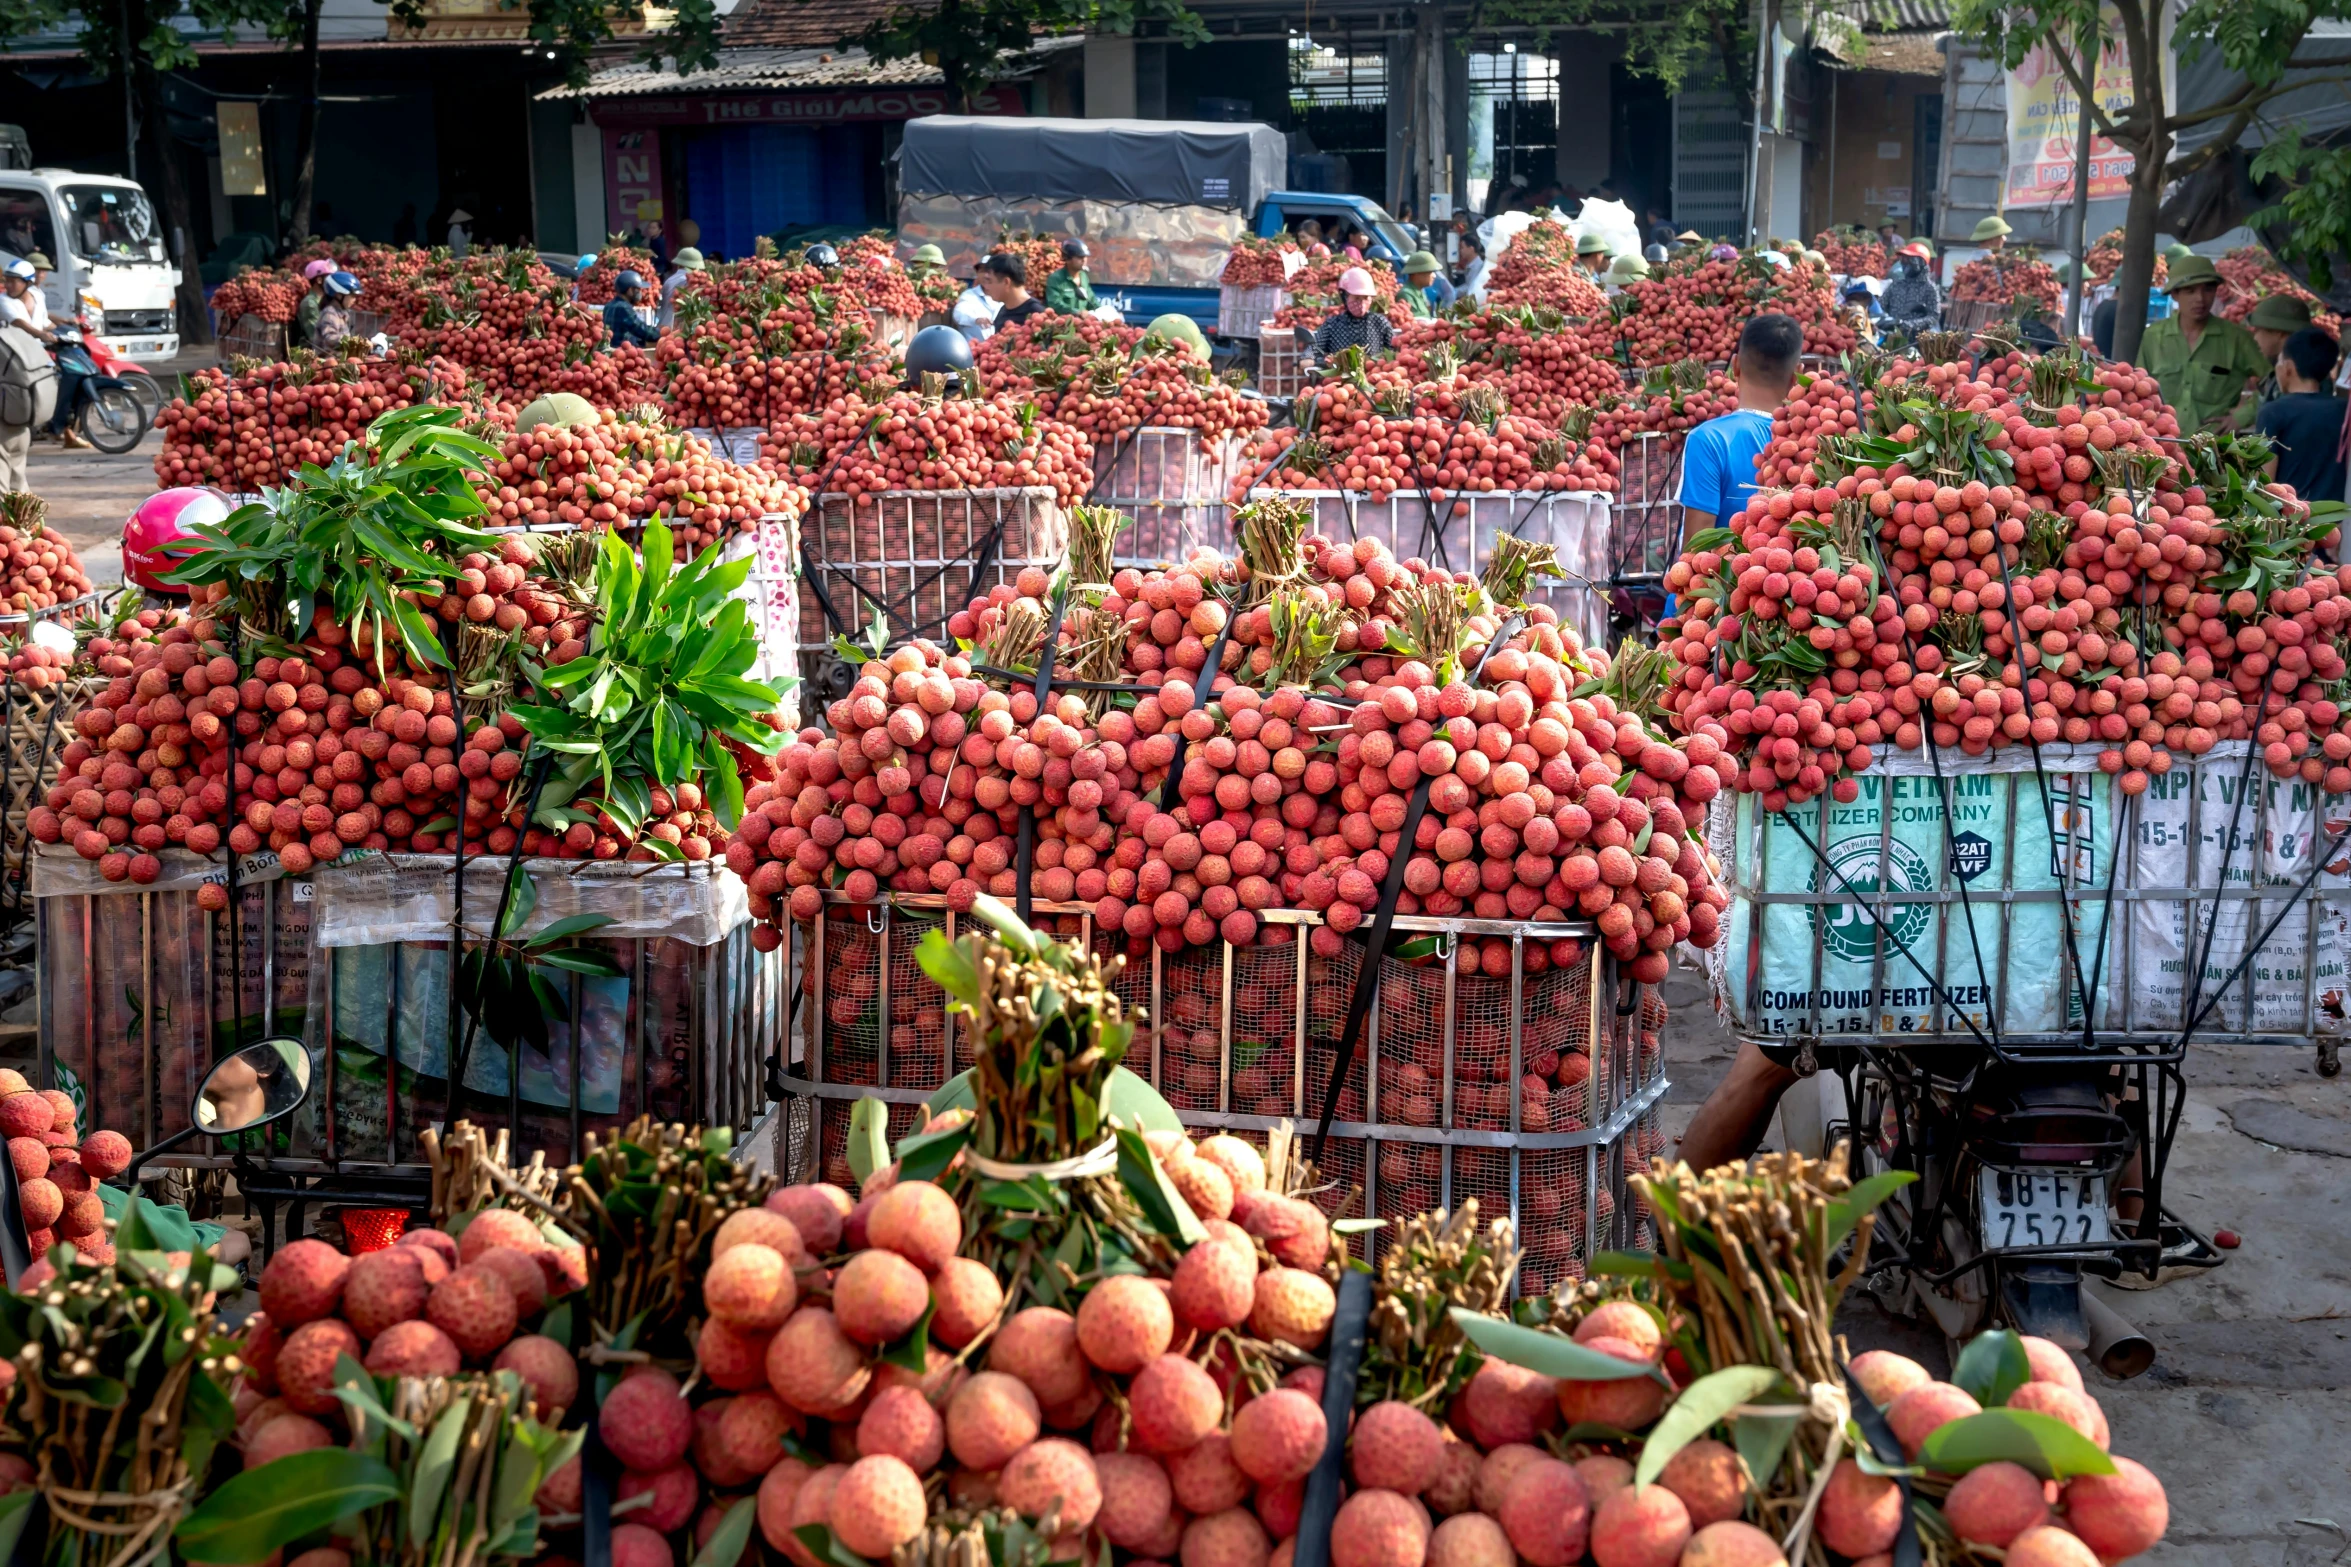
x,y
113,420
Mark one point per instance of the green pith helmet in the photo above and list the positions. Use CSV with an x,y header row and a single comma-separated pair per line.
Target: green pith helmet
x,y
1627,269
1591,245
2191,271
1176,327
564,410
1421,261
2177,252
1990,228
2279,313
927,256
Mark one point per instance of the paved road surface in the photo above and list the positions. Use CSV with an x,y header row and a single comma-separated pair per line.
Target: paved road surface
x,y
90,493
2246,1415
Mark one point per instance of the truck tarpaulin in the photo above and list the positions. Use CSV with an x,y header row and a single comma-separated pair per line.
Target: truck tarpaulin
x,y
1177,163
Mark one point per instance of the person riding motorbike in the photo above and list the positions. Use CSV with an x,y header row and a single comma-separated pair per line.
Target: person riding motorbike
x,y
622,322
1912,303
21,305
334,316
314,276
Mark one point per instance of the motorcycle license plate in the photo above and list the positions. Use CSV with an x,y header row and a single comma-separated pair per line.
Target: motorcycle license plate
x,y
2043,1208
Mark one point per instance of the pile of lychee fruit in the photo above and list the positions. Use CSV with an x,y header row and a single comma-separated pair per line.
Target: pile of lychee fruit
x,y
56,1177
431,1304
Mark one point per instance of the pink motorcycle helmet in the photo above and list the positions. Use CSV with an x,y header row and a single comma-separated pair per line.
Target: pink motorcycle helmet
x,y
161,518
313,271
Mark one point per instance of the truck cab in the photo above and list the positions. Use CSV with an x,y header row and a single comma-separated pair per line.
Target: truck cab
x,y
1285,210
106,246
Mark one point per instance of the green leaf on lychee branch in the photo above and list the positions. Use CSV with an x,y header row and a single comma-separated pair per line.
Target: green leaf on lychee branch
x,y
1700,1406
1551,1354
1992,1366
2041,1443
828,1551
913,1351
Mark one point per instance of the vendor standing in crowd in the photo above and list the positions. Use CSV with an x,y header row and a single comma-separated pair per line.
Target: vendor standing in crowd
x,y
1992,233
2274,318
2206,364
1070,291
624,322
1718,459
2306,420
1356,325
1424,278
1005,277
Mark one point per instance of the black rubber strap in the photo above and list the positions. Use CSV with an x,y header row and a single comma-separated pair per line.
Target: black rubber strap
x,y
1880,1437
1350,1326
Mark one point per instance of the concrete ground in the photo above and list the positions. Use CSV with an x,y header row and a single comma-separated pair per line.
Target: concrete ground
x,y
90,493
2246,1414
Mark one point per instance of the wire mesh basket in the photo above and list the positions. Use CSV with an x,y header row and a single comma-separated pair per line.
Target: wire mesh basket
x,y
1281,361
1457,532
916,557
1171,482
1461,1086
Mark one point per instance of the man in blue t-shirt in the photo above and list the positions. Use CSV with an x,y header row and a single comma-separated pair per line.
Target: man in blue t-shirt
x,y
1718,460
2306,423
1718,475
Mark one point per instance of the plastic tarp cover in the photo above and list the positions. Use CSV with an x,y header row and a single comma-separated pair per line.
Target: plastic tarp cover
x,y
384,898
1192,163
58,872
1134,245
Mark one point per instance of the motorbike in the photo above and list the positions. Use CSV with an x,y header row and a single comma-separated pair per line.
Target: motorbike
x,y
136,377
2023,1158
108,413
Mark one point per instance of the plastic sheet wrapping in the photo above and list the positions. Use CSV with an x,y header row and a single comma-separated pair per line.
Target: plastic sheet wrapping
x,y
58,872
380,898
771,597
1171,482
1243,312
1133,245
1458,532
2197,867
1645,535
141,992
679,1034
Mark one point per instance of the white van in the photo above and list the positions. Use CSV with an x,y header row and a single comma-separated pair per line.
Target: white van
x,y
103,234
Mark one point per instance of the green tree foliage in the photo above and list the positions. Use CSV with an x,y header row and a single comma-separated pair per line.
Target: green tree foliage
x,y
969,41
2257,41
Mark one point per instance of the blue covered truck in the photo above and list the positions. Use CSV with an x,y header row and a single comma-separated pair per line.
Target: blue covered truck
x,y
1159,202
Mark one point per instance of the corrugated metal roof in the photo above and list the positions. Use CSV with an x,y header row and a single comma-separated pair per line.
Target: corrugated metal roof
x,y
817,24
778,70
766,70
1896,16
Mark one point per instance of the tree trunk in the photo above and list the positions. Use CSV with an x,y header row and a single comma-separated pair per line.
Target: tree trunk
x,y
159,171
2144,43
306,127
2136,278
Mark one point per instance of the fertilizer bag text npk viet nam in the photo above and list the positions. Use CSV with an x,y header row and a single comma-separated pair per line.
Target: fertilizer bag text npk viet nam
x,y
2005,949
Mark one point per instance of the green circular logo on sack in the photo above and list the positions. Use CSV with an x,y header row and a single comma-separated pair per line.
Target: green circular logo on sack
x,y
1848,929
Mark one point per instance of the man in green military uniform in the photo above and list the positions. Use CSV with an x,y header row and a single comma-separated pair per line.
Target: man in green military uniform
x,y
2206,364
1069,291
2274,318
